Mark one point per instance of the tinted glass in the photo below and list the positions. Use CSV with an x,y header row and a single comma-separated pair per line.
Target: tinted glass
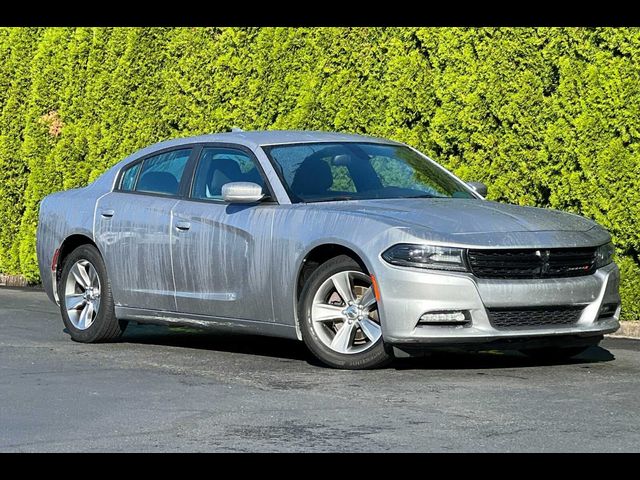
x,y
315,172
219,166
162,173
129,177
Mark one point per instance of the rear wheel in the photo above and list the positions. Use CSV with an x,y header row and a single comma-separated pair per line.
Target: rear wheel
x,y
554,353
340,323
86,303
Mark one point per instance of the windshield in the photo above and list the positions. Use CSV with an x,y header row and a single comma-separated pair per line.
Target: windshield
x,y
317,172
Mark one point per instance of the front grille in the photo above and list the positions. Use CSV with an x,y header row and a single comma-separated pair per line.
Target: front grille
x,y
532,263
507,318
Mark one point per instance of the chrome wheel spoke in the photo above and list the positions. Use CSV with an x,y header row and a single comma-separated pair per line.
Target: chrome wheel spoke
x,y
73,302
79,272
343,337
371,329
323,312
93,277
368,299
74,316
82,320
342,283
89,318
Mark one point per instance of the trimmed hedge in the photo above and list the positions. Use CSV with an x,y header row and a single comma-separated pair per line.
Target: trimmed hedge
x,y
546,116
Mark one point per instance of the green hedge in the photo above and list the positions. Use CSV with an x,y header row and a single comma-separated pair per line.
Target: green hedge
x,y
545,116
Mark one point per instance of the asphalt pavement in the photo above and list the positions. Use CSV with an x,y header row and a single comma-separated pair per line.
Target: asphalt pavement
x,y
172,389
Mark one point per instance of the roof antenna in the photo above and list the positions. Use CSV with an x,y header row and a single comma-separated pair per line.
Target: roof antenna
x,y
236,129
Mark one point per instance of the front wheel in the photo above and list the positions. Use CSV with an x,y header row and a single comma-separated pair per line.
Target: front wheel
x,y
339,316
86,303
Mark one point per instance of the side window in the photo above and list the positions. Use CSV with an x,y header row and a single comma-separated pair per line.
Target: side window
x,y
129,177
316,170
219,166
162,173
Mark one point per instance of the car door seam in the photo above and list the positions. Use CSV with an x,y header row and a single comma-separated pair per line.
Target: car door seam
x,y
271,262
95,215
173,275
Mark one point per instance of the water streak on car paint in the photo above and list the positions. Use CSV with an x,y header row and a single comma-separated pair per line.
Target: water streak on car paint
x,y
249,255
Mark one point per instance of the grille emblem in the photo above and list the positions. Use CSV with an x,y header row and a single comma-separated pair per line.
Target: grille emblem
x,y
544,258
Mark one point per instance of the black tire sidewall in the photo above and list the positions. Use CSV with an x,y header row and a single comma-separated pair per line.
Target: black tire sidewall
x,y
105,326
374,357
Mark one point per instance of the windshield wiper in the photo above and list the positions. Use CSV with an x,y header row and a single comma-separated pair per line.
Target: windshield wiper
x,y
426,195
329,199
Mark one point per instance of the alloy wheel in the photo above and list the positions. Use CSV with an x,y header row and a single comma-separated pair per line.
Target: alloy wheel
x,y
344,313
82,294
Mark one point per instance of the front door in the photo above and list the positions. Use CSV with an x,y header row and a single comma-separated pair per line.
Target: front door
x,y
221,252
133,230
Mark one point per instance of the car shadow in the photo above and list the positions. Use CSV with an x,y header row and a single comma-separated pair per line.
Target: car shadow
x,y
186,337
495,359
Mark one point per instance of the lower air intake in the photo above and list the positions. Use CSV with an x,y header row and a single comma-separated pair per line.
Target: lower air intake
x,y
512,318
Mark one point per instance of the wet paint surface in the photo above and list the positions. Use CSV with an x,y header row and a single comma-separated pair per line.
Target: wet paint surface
x,y
242,261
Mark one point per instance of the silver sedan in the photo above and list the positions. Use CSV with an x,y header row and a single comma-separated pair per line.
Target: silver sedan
x,y
361,247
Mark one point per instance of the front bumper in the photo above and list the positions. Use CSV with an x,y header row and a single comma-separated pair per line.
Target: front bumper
x,y
407,293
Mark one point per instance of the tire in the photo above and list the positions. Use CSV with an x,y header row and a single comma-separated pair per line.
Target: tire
x,y
554,354
92,296
361,346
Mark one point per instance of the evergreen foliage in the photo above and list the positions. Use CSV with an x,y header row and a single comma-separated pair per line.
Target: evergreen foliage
x,y
546,116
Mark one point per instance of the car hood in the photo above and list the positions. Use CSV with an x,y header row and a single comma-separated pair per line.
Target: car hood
x,y
461,216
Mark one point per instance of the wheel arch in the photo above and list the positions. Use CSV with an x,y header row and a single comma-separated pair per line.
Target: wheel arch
x,y
72,242
68,245
316,255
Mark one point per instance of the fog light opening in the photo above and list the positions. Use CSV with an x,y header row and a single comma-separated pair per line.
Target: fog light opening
x,y
445,318
607,310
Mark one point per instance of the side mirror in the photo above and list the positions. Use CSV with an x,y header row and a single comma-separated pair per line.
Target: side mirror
x,y
242,192
479,187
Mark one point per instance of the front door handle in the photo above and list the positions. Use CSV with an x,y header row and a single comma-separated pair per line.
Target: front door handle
x,y
183,226
107,213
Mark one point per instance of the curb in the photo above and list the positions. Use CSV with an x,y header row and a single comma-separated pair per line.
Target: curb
x,y
12,281
628,329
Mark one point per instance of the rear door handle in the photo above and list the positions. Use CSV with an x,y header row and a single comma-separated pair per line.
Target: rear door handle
x,y
183,226
107,213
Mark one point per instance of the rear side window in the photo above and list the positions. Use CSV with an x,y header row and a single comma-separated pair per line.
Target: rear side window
x,y
160,173
129,177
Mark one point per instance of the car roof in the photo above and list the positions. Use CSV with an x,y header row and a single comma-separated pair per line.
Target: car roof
x,y
258,138
251,139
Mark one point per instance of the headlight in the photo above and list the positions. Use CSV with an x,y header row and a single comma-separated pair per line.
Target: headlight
x,y
426,256
604,255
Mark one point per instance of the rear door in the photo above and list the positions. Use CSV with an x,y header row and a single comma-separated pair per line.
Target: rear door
x,y
222,252
133,230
